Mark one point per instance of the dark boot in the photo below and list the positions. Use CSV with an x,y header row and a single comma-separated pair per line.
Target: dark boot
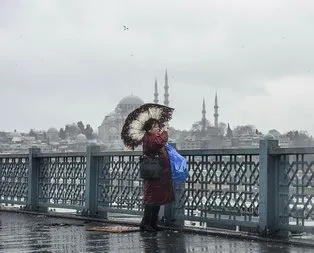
x,y
146,221
154,218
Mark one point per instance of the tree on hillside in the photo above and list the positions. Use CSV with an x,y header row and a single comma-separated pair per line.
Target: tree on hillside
x,y
72,130
88,131
81,126
243,130
300,138
32,133
198,125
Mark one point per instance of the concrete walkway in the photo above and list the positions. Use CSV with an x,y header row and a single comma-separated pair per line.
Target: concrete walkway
x,y
39,233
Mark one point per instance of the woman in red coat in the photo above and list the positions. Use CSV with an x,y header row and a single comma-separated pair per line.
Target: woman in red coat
x,y
159,191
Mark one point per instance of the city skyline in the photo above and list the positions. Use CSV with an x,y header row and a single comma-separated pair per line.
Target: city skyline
x,y
206,116
63,62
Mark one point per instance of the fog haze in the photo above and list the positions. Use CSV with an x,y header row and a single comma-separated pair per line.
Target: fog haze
x,y
66,61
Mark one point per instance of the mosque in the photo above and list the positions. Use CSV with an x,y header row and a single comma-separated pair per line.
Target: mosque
x,y
110,129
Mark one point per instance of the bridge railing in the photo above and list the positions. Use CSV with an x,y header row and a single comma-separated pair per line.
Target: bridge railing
x,y
222,189
266,190
295,188
14,175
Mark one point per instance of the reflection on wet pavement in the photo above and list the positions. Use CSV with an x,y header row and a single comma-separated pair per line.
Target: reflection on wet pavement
x,y
31,233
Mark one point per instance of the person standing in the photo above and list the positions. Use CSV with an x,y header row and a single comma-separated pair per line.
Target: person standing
x,y
157,192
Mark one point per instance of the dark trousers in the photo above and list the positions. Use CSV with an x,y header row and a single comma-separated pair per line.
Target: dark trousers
x,y
150,215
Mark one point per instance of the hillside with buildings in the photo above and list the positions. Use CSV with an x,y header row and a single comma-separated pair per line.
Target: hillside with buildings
x,y
203,134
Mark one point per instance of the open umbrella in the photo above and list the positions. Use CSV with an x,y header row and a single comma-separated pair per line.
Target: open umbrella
x,y
132,131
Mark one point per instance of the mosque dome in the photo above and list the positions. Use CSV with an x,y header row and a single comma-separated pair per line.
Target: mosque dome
x,y
131,100
269,137
52,130
128,104
53,134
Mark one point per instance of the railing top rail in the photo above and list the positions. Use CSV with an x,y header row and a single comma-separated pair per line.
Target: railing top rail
x,y
14,155
119,153
292,151
67,154
220,152
192,152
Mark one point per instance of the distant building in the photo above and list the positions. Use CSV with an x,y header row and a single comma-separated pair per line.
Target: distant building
x,y
52,134
109,131
204,134
16,137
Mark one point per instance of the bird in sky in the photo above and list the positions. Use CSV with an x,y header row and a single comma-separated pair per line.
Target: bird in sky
x,y
125,28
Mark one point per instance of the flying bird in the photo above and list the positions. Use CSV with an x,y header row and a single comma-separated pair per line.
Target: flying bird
x,y
125,28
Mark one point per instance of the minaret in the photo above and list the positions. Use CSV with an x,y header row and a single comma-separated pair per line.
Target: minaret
x,y
156,93
166,102
204,117
216,111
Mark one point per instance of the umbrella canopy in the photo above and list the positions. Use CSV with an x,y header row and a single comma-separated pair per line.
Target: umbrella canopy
x,y
132,132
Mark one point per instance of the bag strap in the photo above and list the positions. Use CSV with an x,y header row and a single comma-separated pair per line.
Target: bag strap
x,y
148,156
156,155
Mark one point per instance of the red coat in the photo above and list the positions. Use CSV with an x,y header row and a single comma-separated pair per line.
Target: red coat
x,y
160,191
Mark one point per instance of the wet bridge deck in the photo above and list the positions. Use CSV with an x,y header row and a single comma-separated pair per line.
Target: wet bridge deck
x,y
38,233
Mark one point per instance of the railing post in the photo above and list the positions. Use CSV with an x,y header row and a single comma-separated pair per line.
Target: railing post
x,y
91,195
283,185
33,175
178,206
268,188
167,212
105,165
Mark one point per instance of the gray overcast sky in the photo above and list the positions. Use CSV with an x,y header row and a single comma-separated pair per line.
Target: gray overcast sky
x,y
65,61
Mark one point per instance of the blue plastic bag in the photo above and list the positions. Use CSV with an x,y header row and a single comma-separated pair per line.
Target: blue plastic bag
x,y
178,164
